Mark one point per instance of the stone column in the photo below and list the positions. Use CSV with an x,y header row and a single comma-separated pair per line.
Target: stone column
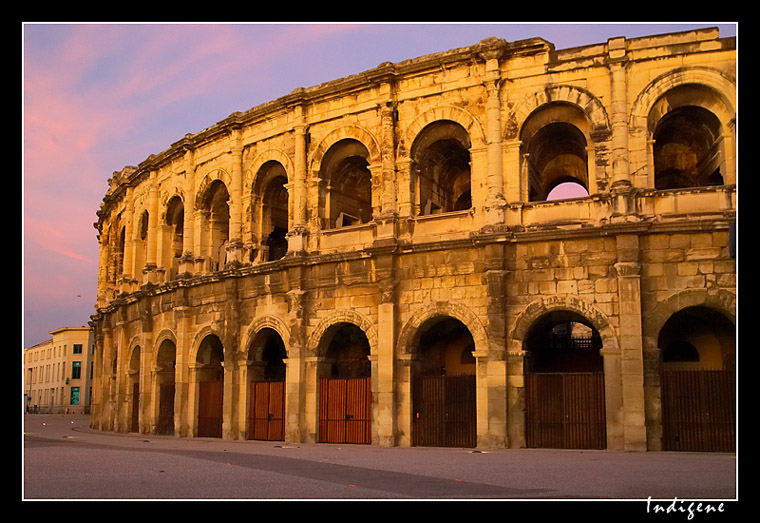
x,y
491,365
516,397
311,398
232,354
298,233
404,411
127,270
235,243
295,374
383,379
631,349
495,200
149,271
183,319
103,348
188,237
617,61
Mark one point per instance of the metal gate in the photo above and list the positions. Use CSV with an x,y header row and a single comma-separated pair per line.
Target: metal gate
x,y
445,413
135,407
698,410
165,409
565,410
345,410
266,415
210,399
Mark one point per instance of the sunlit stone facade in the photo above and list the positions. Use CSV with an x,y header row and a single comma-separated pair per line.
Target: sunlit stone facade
x,y
399,224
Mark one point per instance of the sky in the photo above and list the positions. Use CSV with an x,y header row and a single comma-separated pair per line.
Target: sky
x,y
100,96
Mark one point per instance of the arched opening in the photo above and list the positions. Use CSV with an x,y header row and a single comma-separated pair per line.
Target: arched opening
x,y
688,138
266,375
443,385
686,149
441,154
134,380
140,254
344,169
215,229
210,377
175,221
166,360
555,154
345,395
698,380
275,217
564,384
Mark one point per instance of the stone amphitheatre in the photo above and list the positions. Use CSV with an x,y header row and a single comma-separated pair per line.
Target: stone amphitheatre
x,y
383,259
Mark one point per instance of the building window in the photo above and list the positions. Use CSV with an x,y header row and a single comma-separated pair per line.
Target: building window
x,y
76,370
74,396
77,348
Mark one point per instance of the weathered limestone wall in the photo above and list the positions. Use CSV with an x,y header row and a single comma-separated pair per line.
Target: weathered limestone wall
x,y
624,259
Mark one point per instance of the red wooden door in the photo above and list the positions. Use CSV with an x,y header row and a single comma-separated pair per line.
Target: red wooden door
x,y
135,407
165,409
345,410
565,410
445,412
699,410
266,420
210,398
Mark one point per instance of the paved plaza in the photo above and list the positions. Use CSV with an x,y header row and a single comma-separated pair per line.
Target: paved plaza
x,y
65,459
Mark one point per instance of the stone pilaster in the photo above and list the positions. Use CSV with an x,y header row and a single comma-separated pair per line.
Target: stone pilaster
x,y
630,336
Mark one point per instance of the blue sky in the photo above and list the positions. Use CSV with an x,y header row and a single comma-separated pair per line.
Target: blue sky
x,y
98,97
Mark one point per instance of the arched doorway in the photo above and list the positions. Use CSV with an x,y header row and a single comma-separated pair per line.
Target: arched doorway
x,y
345,395
698,376
210,378
443,385
564,384
266,375
165,369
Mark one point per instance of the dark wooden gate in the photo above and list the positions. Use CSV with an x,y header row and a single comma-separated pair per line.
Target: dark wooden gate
x,y
135,407
210,399
445,412
565,410
698,410
266,415
345,410
165,409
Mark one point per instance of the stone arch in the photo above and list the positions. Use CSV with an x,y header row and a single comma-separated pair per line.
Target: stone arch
x,y
445,112
652,322
583,99
345,132
134,343
410,332
723,85
164,335
542,306
198,340
254,180
166,197
264,322
342,316
207,180
701,93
